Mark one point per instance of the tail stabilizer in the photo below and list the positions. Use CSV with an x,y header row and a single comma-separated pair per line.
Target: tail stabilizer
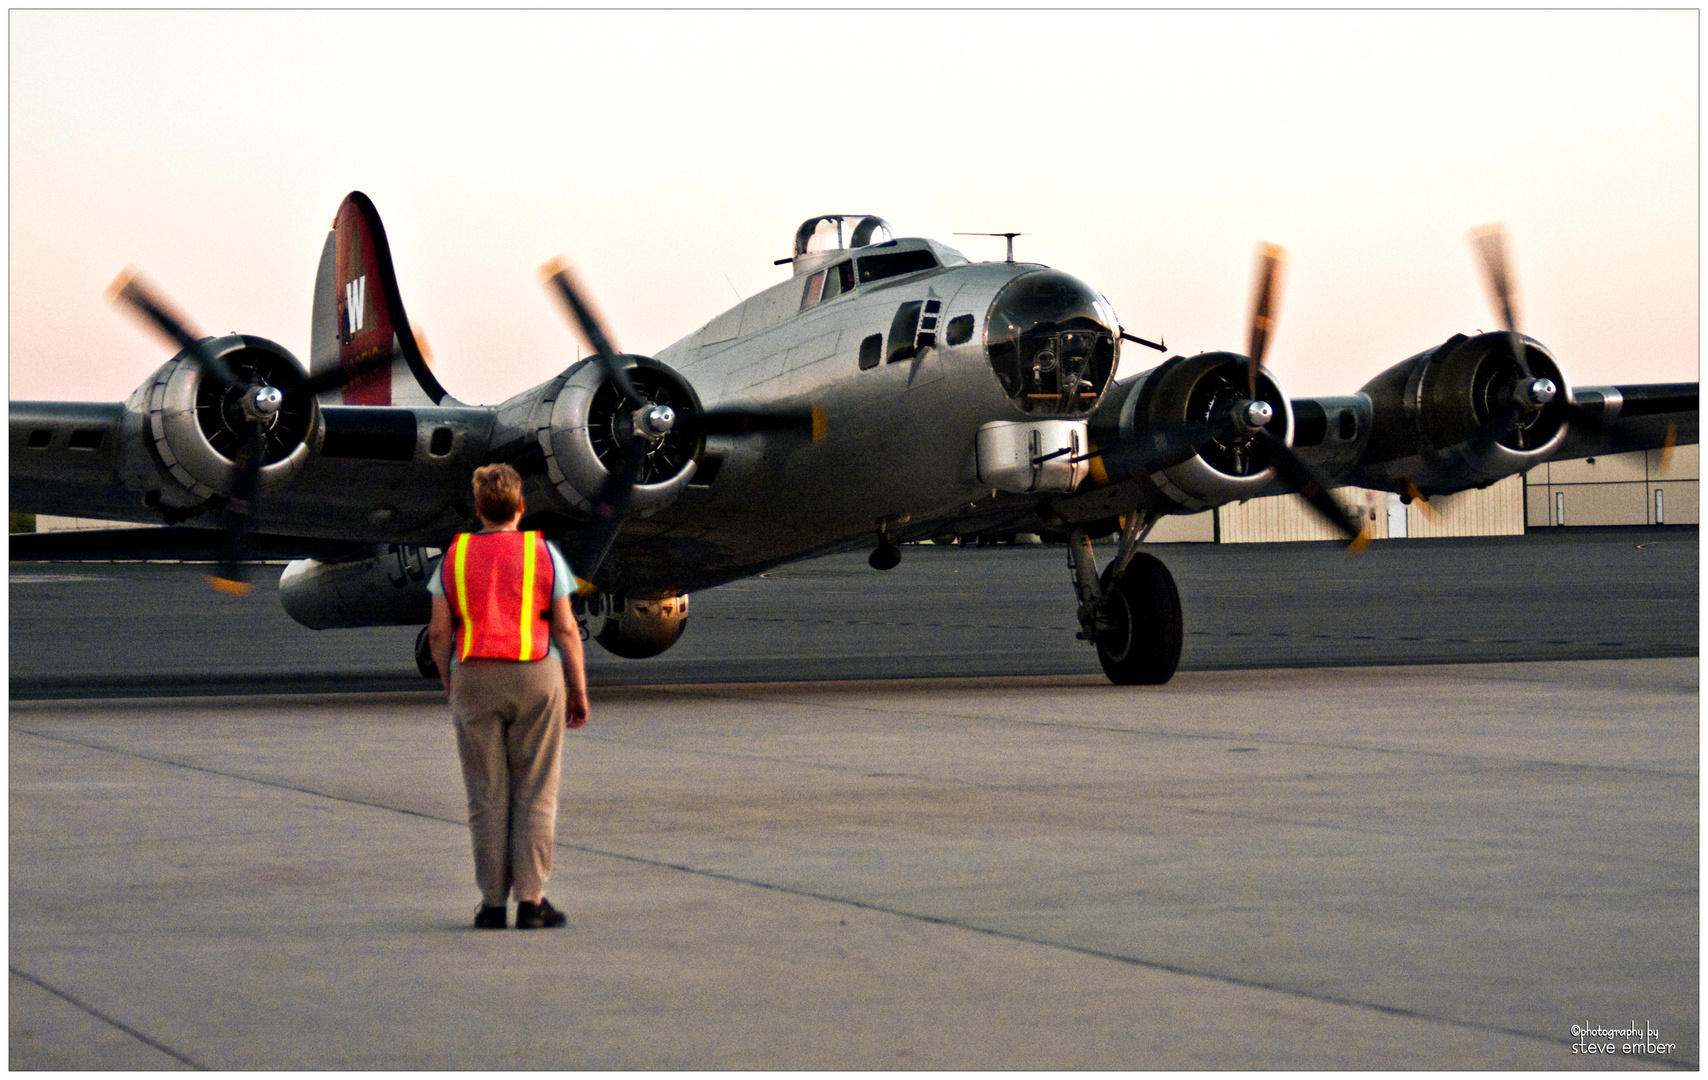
x,y
358,315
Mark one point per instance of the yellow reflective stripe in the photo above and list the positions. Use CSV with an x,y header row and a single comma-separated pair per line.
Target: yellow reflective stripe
x,y
528,608
459,562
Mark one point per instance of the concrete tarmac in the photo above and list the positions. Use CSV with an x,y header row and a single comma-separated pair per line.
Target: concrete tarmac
x,y
102,630
1419,867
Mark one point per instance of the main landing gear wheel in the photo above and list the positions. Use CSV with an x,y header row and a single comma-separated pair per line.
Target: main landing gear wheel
x,y
1138,627
424,662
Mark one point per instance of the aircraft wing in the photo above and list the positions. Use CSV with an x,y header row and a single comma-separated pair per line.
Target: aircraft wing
x,y
1640,417
363,474
63,461
178,542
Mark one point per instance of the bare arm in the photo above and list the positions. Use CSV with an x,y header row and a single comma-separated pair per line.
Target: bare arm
x,y
567,634
439,640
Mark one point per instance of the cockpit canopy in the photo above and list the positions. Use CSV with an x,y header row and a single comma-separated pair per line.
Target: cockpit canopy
x,y
833,232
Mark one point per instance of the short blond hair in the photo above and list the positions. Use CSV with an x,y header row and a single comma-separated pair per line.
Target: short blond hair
x,y
497,492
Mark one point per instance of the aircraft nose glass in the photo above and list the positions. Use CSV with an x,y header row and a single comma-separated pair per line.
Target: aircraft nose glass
x,y
1049,341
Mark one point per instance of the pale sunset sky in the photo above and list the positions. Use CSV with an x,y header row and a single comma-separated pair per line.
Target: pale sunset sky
x,y
671,154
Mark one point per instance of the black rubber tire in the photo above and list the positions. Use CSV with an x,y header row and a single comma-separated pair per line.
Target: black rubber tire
x,y
424,656
1140,631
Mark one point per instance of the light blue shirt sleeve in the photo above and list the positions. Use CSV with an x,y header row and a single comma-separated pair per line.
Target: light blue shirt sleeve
x,y
563,582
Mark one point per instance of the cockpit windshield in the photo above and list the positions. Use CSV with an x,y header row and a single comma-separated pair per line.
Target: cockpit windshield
x,y
833,232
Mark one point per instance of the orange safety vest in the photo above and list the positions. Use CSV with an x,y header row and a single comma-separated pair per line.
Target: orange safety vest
x,y
500,589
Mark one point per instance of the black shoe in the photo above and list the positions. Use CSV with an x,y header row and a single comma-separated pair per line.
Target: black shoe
x,y
492,918
529,916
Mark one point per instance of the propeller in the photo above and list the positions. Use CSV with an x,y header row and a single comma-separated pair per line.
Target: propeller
x,y
261,406
649,422
1311,485
1489,243
1265,299
1244,420
1530,393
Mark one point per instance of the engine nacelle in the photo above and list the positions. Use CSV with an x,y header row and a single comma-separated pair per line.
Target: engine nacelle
x,y
389,588
197,429
636,629
1431,416
1190,390
583,424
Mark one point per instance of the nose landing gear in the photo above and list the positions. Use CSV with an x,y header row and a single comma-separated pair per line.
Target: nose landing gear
x,y
1131,612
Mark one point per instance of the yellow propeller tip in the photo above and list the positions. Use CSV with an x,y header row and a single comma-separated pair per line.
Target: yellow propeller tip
x,y
229,587
120,284
1667,445
1359,543
585,588
555,266
820,423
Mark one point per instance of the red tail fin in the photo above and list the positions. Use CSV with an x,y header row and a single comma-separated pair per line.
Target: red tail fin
x,y
358,315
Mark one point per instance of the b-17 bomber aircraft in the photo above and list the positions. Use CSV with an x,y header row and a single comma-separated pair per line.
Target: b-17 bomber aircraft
x,y
889,390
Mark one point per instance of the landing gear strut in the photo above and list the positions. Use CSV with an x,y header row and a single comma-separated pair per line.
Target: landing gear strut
x,y
1131,612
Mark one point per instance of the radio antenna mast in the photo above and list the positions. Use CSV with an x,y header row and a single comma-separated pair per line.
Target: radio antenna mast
x,y
1009,236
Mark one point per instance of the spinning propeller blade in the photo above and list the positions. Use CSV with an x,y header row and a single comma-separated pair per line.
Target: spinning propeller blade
x,y
132,290
1489,241
566,286
1410,491
1265,299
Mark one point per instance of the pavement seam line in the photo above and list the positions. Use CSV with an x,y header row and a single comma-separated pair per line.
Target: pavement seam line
x,y
56,688
1133,961
1259,818
105,1019
863,905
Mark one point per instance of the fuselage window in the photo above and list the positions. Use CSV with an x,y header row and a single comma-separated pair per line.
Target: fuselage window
x,y
838,280
814,292
828,284
894,263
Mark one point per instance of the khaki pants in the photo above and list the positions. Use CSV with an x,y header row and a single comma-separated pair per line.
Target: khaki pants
x,y
509,719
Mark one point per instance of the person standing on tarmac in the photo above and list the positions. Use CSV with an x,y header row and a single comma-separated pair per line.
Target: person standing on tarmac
x,y
516,681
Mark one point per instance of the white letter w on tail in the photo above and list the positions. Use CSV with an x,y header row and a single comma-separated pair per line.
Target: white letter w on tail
x,y
355,297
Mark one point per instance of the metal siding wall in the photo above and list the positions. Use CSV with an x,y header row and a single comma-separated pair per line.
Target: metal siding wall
x,y
1606,469
1279,519
1685,464
1617,489
1497,510
54,523
1199,528
1682,506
